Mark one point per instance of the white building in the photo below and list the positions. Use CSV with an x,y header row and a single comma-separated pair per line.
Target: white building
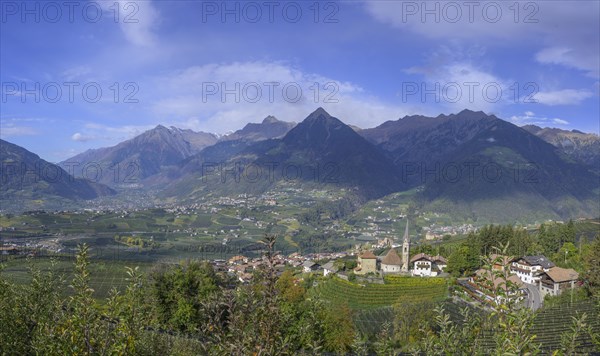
x,y
427,266
530,268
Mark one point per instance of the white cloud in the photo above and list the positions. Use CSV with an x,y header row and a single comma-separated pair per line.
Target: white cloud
x,y
529,118
566,32
562,97
223,97
14,131
100,131
570,58
460,84
76,72
137,20
560,121
15,127
79,137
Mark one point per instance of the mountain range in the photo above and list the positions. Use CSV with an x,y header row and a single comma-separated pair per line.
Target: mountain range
x,y
469,163
26,178
580,146
143,156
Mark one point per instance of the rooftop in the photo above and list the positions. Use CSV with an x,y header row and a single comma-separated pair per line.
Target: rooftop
x,y
392,258
539,260
368,255
558,274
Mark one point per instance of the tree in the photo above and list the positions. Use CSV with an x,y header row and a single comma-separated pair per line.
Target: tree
x,y
463,260
408,318
178,292
591,263
289,290
338,328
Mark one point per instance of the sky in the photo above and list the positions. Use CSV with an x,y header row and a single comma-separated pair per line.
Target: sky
x,y
80,75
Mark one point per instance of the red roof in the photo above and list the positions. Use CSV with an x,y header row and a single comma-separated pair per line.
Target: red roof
x,y
368,255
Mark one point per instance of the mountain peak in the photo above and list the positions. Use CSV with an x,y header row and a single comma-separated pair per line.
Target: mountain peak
x,y
467,111
270,120
320,112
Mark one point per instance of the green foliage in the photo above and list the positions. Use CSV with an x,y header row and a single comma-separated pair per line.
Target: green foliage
x,y
591,265
189,309
464,260
178,292
339,328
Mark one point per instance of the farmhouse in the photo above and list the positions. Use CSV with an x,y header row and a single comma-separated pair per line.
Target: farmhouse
x,y
529,268
427,266
556,280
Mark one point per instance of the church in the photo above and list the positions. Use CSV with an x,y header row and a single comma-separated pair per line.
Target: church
x,y
391,263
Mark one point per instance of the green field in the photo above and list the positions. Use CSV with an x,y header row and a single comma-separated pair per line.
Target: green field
x,y
104,274
372,296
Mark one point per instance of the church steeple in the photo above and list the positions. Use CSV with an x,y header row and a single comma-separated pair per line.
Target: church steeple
x,y
406,249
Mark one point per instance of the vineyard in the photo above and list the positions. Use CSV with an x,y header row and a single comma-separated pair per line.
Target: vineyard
x,y
549,324
372,296
369,322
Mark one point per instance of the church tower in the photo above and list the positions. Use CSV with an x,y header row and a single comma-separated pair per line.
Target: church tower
x,y
406,250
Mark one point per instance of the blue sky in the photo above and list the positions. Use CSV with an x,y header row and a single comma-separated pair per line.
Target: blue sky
x,y
201,65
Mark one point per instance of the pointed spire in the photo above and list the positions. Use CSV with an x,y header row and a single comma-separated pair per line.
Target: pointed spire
x,y
406,250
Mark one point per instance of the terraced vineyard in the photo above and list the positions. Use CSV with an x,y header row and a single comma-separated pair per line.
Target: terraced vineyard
x,y
551,323
369,321
371,296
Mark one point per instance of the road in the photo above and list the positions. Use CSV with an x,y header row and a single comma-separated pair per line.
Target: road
x,y
533,296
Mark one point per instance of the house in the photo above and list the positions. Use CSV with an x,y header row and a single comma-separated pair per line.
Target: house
x,y
426,266
391,263
329,268
485,275
481,282
556,280
440,262
310,266
529,268
367,263
421,265
8,250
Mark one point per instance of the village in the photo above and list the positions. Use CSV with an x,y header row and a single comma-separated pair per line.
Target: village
x,y
374,255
